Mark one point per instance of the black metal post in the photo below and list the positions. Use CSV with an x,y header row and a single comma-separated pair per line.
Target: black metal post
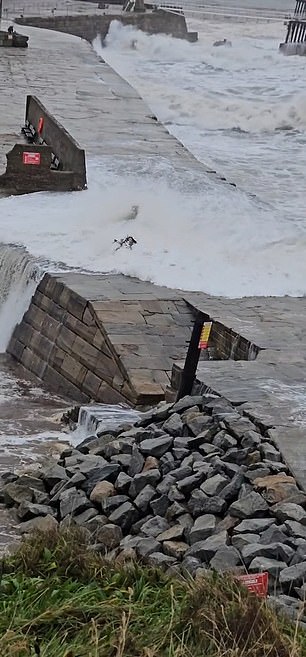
x,y
0,12
192,357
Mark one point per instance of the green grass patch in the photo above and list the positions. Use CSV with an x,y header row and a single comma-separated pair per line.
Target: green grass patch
x,y
60,599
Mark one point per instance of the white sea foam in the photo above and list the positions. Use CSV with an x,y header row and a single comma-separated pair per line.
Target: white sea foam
x,y
231,107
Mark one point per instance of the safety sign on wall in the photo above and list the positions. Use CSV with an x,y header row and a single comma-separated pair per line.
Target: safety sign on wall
x,y
31,158
205,333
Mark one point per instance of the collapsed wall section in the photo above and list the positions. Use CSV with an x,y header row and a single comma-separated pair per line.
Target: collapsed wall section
x,y
109,351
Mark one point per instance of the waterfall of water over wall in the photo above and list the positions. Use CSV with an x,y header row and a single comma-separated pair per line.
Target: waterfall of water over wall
x,y
19,276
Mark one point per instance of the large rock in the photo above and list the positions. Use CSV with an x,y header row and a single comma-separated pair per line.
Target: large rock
x,y
174,425
160,505
124,516
251,505
146,546
83,518
101,491
224,440
293,576
227,558
108,472
160,560
155,526
271,551
251,439
269,452
27,510
149,478
187,402
109,535
238,425
172,534
199,423
15,494
263,564
203,527
276,488
188,484
30,481
137,462
156,446
110,504
287,511
214,485
273,534
205,550
295,529
53,474
200,505
45,524
232,489
253,525
123,482
144,498
73,502
239,541
175,549
157,414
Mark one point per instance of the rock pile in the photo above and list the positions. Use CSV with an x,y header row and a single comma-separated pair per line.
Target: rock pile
x,y
191,485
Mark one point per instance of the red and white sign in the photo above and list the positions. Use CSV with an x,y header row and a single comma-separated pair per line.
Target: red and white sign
x,y
31,158
257,583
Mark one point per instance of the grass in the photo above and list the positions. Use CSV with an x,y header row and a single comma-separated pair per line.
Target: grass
x,y
59,599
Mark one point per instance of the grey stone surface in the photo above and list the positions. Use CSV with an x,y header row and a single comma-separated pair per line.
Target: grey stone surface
x,y
251,505
205,550
295,529
188,484
144,498
227,558
156,446
176,549
155,526
110,504
293,576
288,511
124,516
151,477
123,482
174,533
73,502
146,546
273,534
14,494
253,525
271,551
203,527
174,425
239,541
108,472
214,485
27,510
45,524
109,535
137,462
160,506
263,564
224,440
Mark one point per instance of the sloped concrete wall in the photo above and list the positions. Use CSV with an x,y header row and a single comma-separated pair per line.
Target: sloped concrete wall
x,y
88,27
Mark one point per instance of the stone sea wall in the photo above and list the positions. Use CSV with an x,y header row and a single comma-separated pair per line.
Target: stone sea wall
x,y
88,27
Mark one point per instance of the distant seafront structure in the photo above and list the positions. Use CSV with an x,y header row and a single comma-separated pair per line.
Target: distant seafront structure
x,y
295,42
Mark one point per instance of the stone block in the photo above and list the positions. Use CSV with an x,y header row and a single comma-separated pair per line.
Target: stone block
x,y
56,358
106,368
33,363
73,370
76,305
49,306
108,395
34,316
86,353
15,348
91,385
88,318
40,345
61,385
77,327
129,317
23,332
50,327
65,339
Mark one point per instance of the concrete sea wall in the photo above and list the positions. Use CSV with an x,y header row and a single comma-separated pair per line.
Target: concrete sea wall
x,y
88,27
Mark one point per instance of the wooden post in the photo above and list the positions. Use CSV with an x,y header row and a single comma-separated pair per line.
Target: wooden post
x,y
192,357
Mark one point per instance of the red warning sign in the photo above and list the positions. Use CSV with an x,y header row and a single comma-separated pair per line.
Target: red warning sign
x,y
205,333
257,583
31,158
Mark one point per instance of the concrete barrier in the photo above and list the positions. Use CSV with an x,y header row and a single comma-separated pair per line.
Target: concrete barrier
x,y
49,159
88,27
